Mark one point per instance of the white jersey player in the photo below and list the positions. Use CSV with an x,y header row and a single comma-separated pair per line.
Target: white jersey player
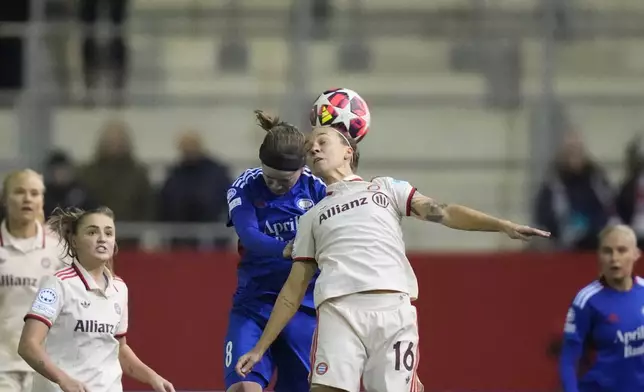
x,y
74,333
27,254
367,326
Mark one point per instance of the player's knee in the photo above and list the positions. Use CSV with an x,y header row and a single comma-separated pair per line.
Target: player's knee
x,y
324,388
245,386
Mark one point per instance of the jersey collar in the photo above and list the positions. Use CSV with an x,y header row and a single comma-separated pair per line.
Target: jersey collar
x,y
333,187
7,240
89,282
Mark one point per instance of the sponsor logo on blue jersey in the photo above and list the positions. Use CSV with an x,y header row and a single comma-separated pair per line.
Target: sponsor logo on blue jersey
x,y
282,229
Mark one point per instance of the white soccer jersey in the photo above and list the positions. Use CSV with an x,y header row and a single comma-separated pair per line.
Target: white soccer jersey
x,y
355,236
23,263
84,323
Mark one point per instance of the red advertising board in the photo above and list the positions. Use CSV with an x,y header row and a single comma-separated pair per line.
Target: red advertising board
x,y
485,319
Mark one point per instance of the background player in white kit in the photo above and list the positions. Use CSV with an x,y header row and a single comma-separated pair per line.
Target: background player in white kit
x,y
74,333
27,254
367,326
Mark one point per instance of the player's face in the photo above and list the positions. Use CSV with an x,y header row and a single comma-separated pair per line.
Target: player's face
x,y
95,238
279,182
617,255
325,151
25,197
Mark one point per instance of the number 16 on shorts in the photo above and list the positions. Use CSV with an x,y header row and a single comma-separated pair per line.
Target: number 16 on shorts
x,y
405,355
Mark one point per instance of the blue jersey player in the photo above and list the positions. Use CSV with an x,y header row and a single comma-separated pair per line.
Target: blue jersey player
x,y
264,206
608,315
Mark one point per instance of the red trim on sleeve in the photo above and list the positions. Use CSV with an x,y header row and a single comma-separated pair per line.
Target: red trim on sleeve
x,y
411,195
39,318
304,259
120,335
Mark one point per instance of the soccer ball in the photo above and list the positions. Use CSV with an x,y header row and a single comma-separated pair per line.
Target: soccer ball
x,y
344,110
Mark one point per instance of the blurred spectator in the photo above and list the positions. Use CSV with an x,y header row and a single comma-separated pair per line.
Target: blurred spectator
x,y
112,57
195,189
115,178
63,187
576,200
630,200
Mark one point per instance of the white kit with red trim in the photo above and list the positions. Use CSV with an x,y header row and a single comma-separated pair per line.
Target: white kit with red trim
x,y
354,235
23,263
85,320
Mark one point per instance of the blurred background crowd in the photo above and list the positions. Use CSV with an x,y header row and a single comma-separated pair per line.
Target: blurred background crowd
x,y
526,109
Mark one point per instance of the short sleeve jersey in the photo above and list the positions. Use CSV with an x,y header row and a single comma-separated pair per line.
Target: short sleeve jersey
x,y
85,320
23,263
354,235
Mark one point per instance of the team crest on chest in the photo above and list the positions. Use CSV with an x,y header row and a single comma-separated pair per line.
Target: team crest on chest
x,y
380,199
117,309
45,262
304,204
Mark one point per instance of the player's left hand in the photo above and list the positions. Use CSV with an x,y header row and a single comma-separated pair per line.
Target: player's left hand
x,y
160,384
247,361
521,232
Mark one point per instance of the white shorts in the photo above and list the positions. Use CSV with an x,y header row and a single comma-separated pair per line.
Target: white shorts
x,y
16,381
371,338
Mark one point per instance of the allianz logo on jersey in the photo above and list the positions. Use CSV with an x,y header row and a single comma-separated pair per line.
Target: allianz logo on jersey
x,y
93,326
340,208
275,229
630,337
10,280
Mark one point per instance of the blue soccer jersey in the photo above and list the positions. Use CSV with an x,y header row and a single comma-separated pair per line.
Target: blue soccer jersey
x,y
264,223
612,323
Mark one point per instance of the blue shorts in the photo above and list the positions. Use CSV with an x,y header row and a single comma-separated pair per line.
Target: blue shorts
x,y
290,353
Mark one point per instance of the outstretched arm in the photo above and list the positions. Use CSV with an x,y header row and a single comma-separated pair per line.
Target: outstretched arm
x,y
460,217
287,304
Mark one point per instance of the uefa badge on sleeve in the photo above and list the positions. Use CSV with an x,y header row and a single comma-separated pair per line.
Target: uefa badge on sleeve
x,y
117,309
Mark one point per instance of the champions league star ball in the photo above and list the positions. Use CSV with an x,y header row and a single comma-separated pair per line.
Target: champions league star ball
x,y
344,110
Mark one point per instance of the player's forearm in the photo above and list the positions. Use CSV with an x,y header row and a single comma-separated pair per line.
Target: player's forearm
x,y
133,367
258,242
36,357
288,302
464,218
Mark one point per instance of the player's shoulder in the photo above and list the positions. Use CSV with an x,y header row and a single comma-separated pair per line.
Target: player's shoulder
x,y
247,177
388,181
639,281
587,293
65,275
119,284
308,175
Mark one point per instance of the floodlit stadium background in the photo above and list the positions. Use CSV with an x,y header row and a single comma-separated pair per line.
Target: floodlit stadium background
x,y
469,100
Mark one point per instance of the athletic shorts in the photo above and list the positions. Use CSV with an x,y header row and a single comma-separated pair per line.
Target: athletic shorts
x,y
289,354
371,338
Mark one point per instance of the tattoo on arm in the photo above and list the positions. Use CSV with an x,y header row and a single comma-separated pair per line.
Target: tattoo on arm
x,y
429,210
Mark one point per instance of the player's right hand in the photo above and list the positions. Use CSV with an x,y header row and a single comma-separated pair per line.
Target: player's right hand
x,y
247,361
68,384
288,250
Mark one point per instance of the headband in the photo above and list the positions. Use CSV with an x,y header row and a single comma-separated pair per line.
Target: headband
x,y
282,162
342,134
